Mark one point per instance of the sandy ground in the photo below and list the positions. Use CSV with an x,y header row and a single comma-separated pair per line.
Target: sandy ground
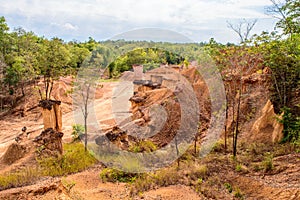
x,y
100,118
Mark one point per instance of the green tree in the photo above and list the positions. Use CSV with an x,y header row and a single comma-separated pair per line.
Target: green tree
x,y
53,62
3,35
288,14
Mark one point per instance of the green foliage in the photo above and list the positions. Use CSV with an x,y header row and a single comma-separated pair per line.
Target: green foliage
x,y
74,159
68,185
114,175
238,194
228,187
238,167
195,173
162,178
218,146
267,163
143,146
19,178
78,131
149,57
282,56
291,126
289,16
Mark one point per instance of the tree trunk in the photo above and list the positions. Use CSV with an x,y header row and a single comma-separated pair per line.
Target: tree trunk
x,y
237,123
177,152
225,125
195,144
85,132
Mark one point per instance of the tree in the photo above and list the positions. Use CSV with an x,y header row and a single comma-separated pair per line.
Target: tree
x,y
53,58
22,60
87,82
236,62
3,35
243,28
282,56
288,14
85,86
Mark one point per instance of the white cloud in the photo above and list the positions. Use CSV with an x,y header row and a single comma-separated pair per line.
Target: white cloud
x,y
69,26
104,18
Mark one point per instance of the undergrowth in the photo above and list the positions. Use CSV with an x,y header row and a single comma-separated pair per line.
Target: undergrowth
x,y
74,159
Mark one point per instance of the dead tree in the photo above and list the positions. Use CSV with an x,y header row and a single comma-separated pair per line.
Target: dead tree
x,y
243,28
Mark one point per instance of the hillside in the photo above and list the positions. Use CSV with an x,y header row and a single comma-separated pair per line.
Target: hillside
x,y
263,168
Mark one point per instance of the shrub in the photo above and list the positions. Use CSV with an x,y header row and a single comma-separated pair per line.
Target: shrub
x,y
114,175
238,167
197,172
78,131
268,162
143,146
218,146
228,187
68,185
291,126
238,194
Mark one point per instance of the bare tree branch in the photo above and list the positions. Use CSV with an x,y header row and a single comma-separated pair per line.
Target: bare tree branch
x,y
243,28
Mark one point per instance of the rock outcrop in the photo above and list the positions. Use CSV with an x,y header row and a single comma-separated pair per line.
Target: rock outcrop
x,y
49,143
267,128
14,152
52,115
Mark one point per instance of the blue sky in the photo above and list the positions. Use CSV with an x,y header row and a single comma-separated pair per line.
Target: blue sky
x,y
198,20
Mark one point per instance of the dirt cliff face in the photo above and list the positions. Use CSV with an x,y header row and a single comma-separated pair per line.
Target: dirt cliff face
x,y
14,152
267,126
156,108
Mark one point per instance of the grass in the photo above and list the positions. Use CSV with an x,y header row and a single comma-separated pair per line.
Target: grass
x,y
108,80
114,175
143,146
68,185
238,167
161,178
228,187
268,162
20,178
74,159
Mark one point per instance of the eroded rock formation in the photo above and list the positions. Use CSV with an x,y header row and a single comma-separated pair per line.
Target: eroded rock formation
x,y
49,143
267,128
52,115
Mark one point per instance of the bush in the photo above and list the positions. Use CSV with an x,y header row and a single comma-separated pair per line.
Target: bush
x,y
228,187
238,167
268,162
238,194
78,131
143,146
291,126
114,175
197,172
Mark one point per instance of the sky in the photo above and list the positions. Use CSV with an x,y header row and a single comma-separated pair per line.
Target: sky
x,y
198,20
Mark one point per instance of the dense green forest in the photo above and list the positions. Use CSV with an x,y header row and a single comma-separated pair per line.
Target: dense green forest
x,y
26,57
